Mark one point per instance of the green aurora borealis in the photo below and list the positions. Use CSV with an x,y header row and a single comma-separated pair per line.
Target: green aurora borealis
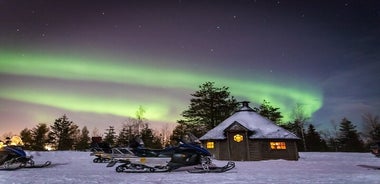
x,y
158,108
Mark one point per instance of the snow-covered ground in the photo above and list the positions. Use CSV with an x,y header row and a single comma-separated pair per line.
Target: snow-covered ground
x,y
77,167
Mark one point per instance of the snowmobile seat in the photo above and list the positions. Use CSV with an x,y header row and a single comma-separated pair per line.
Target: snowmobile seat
x,y
144,152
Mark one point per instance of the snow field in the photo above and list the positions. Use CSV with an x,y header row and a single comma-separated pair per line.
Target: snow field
x,y
71,167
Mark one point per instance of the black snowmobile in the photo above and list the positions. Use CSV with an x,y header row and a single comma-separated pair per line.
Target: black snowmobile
x,y
14,157
186,154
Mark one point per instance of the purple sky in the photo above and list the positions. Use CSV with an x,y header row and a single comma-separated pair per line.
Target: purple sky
x,y
332,47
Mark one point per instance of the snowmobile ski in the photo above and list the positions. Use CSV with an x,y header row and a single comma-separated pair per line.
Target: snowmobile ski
x,y
140,168
112,163
23,166
10,168
47,163
213,169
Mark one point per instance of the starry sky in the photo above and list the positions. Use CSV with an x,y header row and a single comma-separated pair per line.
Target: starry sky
x,y
99,61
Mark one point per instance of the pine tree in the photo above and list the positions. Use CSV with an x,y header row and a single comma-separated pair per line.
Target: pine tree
x,y
149,139
269,112
63,133
179,131
26,137
348,137
314,141
123,137
84,139
209,106
40,137
110,136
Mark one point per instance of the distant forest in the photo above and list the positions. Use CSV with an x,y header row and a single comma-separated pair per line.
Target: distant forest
x,y
208,107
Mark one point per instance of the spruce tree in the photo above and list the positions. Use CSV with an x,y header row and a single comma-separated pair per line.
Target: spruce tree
x,y
209,106
149,139
269,112
40,137
110,136
26,137
124,136
348,138
63,133
179,131
84,140
314,141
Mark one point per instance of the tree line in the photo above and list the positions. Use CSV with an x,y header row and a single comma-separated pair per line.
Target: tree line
x,y
208,107
61,135
64,134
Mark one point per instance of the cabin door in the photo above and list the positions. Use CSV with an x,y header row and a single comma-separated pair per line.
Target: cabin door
x,y
238,145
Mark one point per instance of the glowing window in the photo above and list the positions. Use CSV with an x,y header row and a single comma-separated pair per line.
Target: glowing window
x,y
238,138
277,145
210,145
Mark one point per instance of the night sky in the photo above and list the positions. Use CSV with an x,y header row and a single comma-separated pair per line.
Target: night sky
x,y
99,61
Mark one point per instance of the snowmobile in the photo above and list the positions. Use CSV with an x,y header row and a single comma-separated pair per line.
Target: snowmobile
x,y
114,153
186,154
100,155
13,157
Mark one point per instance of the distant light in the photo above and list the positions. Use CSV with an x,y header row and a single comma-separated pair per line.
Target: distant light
x,y
48,147
16,141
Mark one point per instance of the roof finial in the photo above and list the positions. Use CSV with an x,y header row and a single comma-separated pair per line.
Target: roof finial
x,y
245,106
245,103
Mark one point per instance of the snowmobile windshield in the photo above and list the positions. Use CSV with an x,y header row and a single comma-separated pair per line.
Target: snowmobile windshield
x,y
192,142
190,139
16,150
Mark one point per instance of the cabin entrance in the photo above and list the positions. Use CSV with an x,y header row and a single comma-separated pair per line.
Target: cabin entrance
x,y
238,142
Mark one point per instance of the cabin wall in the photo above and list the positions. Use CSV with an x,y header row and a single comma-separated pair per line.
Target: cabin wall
x,y
260,150
224,152
220,150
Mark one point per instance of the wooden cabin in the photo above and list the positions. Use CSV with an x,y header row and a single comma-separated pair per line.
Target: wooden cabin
x,y
248,136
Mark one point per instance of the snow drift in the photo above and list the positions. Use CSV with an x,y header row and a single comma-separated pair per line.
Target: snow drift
x,y
77,167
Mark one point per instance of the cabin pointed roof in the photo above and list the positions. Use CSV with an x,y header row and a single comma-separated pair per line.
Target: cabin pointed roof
x,y
259,126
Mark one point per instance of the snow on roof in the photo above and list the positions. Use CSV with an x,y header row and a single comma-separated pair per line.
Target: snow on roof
x,y
261,127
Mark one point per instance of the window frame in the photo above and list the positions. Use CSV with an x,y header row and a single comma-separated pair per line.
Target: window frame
x,y
277,145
